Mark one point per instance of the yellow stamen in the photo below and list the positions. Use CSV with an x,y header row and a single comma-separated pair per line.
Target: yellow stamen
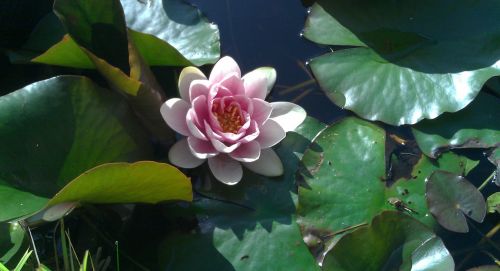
x,y
229,119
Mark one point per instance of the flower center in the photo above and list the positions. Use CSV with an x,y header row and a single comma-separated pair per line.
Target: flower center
x,y
229,117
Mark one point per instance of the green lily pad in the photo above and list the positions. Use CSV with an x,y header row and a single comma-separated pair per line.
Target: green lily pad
x,y
493,202
476,126
405,68
140,182
54,130
450,196
249,226
344,173
11,241
145,181
179,36
175,24
392,241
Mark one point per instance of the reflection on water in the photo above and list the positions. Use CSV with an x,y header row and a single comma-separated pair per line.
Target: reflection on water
x,y
256,33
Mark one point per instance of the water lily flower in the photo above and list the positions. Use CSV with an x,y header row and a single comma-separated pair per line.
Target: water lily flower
x,y
227,121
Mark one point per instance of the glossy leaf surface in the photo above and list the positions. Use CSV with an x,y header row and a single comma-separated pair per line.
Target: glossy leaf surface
x,y
344,173
46,130
413,61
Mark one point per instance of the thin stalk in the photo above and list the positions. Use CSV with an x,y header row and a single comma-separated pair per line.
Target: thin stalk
x,y
486,181
110,243
117,256
72,250
64,245
484,239
54,244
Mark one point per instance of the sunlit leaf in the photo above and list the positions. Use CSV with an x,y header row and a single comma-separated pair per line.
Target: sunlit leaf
x,y
450,196
412,61
345,183
56,129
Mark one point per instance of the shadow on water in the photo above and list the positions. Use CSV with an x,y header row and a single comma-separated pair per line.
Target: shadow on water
x,y
435,37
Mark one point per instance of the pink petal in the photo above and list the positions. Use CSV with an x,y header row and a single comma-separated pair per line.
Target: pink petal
x,y
223,67
288,115
268,164
270,134
201,149
255,83
193,127
181,156
233,83
262,110
197,88
252,133
245,103
217,141
247,152
188,75
226,169
174,112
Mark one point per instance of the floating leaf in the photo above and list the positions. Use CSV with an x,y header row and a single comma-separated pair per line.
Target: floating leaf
x,y
140,182
476,126
45,129
393,241
493,202
179,36
145,181
346,184
250,226
405,68
175,24
450,196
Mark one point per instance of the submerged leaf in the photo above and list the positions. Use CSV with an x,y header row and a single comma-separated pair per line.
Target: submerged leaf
x,y
450,196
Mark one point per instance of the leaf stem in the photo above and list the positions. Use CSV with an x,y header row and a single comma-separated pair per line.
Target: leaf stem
x,y
486,181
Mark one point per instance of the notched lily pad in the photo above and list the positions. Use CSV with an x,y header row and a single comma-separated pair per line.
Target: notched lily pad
x,y
450,197
403,68
392,241
476,126
344,180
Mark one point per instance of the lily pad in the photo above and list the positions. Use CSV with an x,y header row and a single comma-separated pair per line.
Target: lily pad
x,y
493,202
56,129
450,196
476,126
250,226
405,68
345,180
145,181
175,24
392,241
171,33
